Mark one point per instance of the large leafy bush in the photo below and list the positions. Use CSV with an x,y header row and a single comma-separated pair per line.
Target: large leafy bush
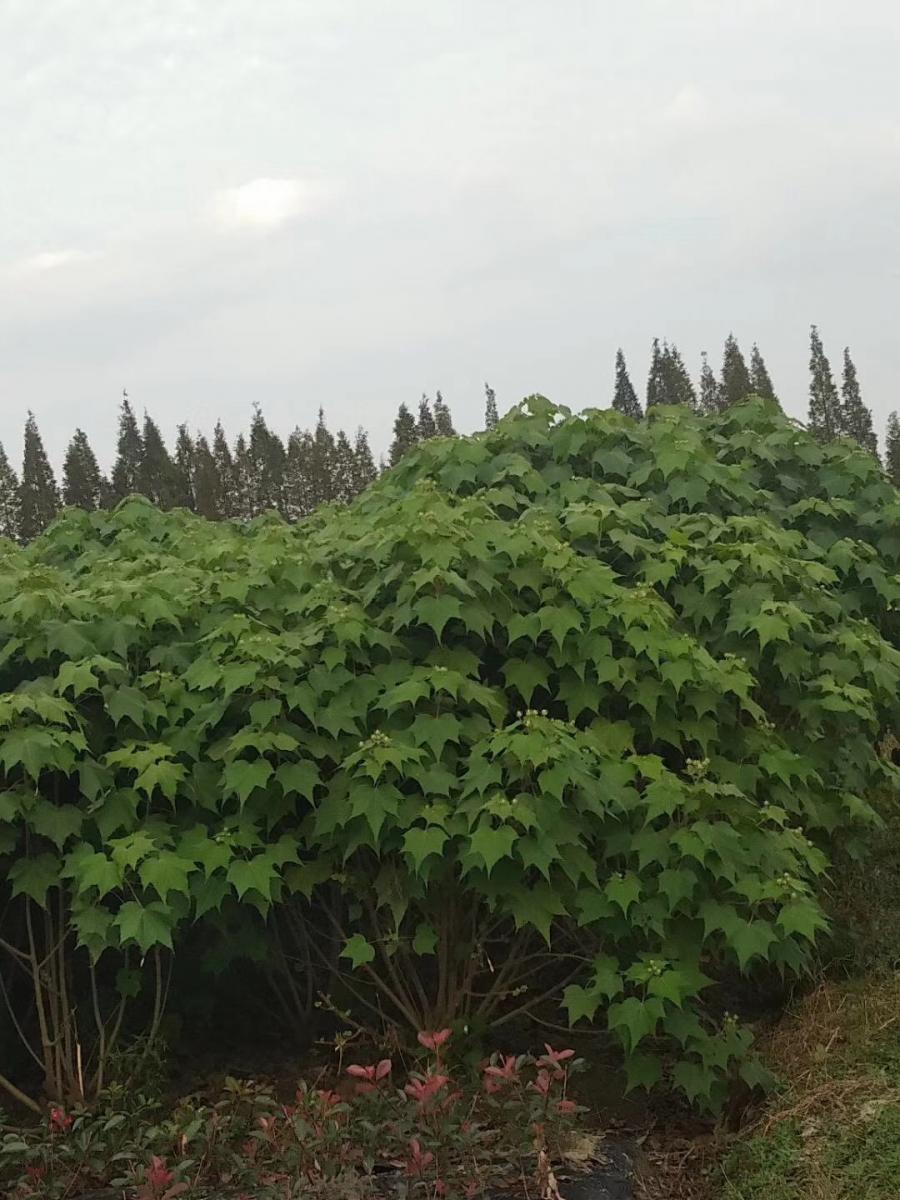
x,y
572,710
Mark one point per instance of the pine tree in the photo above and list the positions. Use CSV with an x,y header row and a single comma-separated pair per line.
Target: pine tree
x,y
322,480
625,397
759,376
491,416
824,404
183,468
127,467
678,388
9,499
226,501
82,481
656,382
206,489
298,500
38,493
343,469
425,426
710,395
156,477
405,434
736,382
267,462
243,482
364,471
856,419
442,418
892,450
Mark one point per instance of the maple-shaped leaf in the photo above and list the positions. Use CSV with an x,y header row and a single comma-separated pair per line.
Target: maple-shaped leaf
x,y
125,701
166,872
624,890
241,777
634,1019
436,731
359,950
526,675
56,822
580,1003
34,876
79,676
538,906
148,925
299,778
164,774
642,1070
490,844
95,929
255,874
208,894
436,611
420,842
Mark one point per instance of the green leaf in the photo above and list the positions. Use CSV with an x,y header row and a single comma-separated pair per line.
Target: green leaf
x,y
526,676
166,872
242,777
149,925
642,1070
56,822
624,890
490,845
634,1019
79,676
358,950
426,939
420,842
34,876
92,869
257,873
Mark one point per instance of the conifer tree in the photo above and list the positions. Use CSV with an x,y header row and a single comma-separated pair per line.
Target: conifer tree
x,y
491,416
206,490
127,467
405,434
267,462
343,469
322,481
82,481
625,397
9,499
656,382
442,418
156,476
892,450
38,493
183,468
824,420
710,394
364,471
425,426
297,485
736,382
226,502
856,419
759,376
243,482
678,388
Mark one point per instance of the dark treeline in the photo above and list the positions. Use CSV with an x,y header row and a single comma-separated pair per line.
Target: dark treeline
x,y
834,410
259,472
209,475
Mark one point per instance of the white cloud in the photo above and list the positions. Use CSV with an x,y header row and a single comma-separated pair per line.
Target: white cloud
x,y
265,203
687,107
51,260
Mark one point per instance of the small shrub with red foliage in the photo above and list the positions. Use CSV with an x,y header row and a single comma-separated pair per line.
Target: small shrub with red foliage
x,y
435,1133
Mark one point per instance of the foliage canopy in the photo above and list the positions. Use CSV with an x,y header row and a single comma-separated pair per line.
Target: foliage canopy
x,y
584,690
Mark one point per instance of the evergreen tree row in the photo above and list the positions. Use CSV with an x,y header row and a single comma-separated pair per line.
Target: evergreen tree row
x,y
259,473
833,412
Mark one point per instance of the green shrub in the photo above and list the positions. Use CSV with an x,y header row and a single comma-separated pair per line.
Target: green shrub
x,y
569,712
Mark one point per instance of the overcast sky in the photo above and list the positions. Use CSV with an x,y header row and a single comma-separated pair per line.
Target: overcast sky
x,y
350,202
